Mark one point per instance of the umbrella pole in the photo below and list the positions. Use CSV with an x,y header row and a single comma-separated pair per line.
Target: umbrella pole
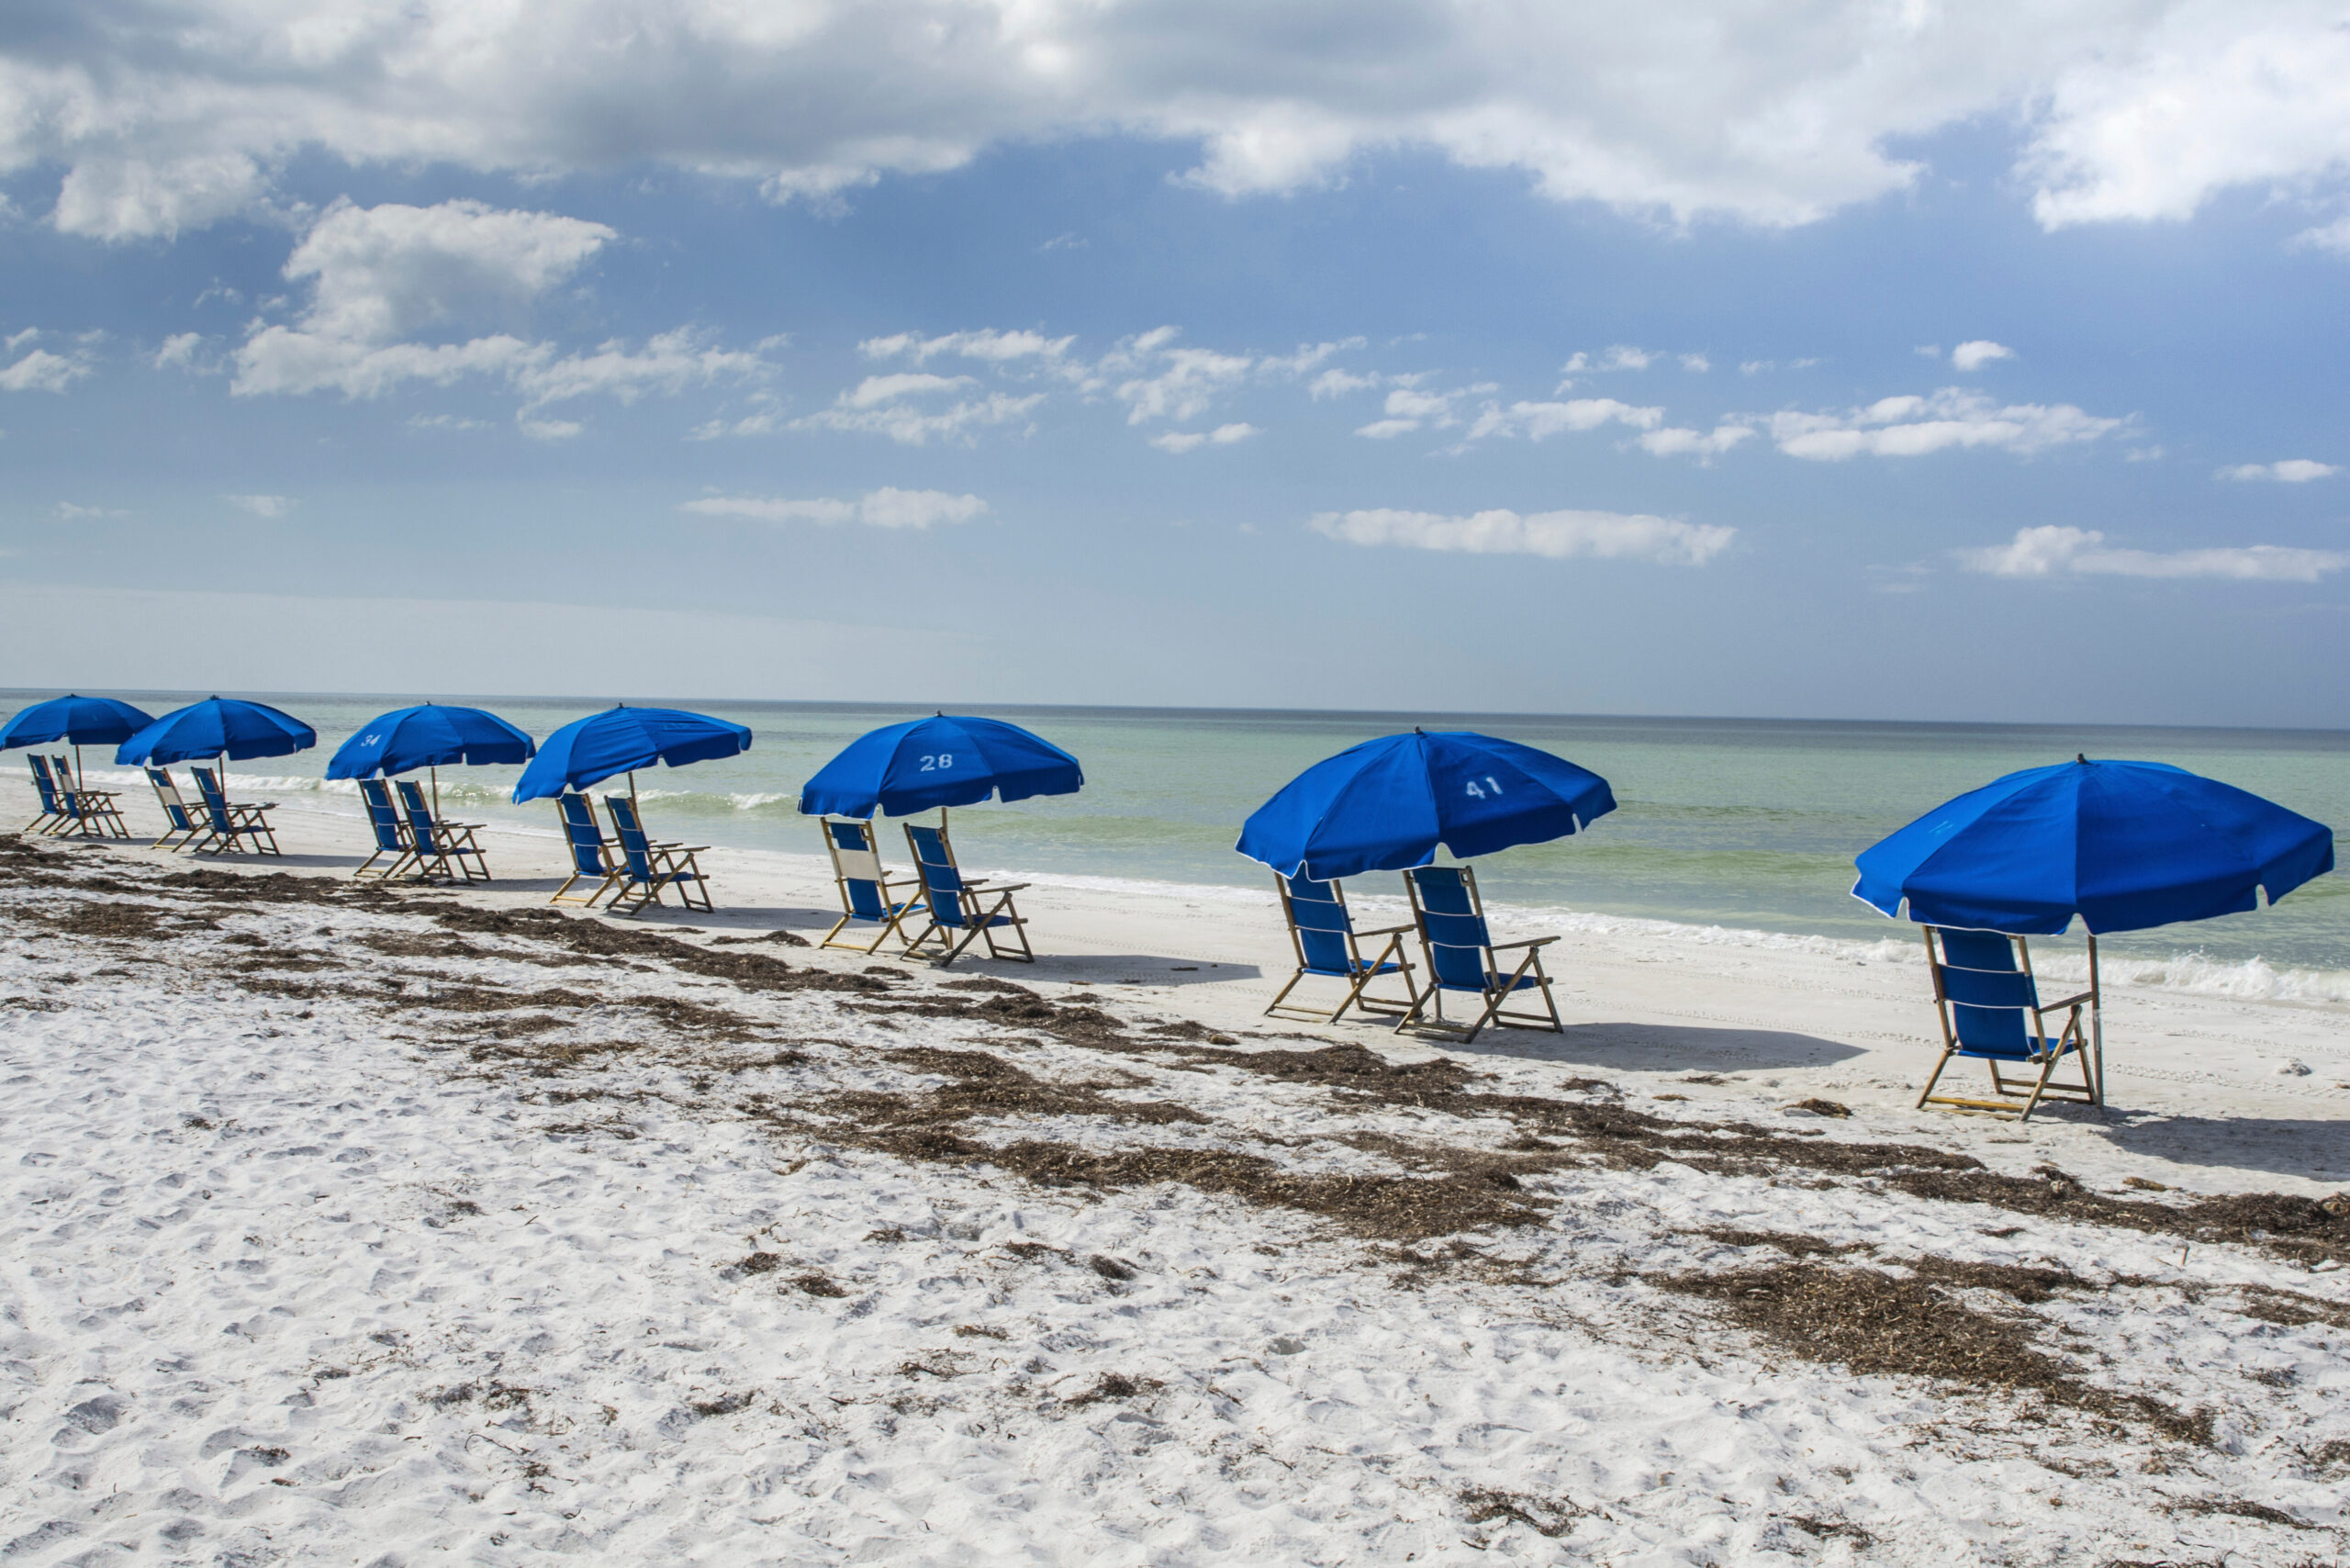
x,y
2097,1021
436,794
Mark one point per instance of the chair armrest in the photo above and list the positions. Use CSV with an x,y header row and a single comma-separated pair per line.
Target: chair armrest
x,y
1530,942
2068,1002
1385,931
995,888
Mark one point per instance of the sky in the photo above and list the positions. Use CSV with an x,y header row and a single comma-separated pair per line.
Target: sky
x,y
1886,360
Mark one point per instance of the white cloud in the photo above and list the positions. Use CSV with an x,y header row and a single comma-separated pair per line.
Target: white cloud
x,y
1697,363
1336,383
876,390
261,506
445,422
1411,407
547,430
988,344
1156,381
1387,430
1538,422
1618,356
1705,445
1606,535
907,423
41,370
116,198
1307,357
1180,441
179,348
162,119
1974,354
380,275
16,341
2333,237
2188,99
1913,426
885,507
2057,550
2286,471
68,511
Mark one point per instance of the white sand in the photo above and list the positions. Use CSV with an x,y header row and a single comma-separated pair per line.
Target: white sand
x,y
474,1295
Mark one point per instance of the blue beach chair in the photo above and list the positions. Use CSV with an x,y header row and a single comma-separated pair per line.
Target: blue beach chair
x,y
591,851
391,834
94,812
960,911
232,824
647,868
1463,957
1329,946
1990,1009
182,828
56,811
438,844
869,893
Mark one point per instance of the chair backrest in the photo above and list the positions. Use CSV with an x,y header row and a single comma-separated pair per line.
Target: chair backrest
x,y
856,867
216,804
63,770
420,824
1452,923
581,831
935,863
1319,925
380,814
167,795
635,849
43,784
1985,977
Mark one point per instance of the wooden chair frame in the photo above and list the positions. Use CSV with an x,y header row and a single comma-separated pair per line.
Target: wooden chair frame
x,y
984,909
181,827
2086,1042
55,809
1361,972
432,841
574,835
1426,1016
669,865
95,813
231,822
375,795
892,919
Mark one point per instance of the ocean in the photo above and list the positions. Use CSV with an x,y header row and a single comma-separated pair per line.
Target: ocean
x,y
1750,825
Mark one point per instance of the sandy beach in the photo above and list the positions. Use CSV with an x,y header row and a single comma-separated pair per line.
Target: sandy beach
x,y
389,1224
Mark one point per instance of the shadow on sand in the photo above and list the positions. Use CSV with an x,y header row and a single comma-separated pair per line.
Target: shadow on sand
x,y
1658,1047
2285,1146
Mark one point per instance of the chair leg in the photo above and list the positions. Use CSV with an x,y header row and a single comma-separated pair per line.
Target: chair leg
x,y
1926,1094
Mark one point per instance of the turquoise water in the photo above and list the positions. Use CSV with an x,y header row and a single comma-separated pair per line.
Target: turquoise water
x,y
1741,823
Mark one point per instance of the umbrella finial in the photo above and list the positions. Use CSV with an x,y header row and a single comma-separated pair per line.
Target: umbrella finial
x,y
2082,758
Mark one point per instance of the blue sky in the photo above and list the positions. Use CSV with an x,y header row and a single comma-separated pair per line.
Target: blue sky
x,y
1883,363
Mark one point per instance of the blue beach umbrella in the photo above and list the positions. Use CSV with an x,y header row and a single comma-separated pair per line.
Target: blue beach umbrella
x,y
2125,845
428,735
1386,804
77,721
946,760
621,740
225,727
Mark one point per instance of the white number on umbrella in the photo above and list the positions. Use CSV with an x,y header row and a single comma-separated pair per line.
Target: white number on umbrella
x,y
1490,786
939,763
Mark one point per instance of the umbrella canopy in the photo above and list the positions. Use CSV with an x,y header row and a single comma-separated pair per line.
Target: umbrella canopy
x,y
947,760
428,735
217,726
1386,804
2123,845
77,721
621,740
